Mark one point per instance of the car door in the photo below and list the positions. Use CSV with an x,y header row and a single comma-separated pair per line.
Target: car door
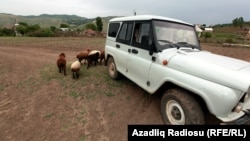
x,y
122,46
139,60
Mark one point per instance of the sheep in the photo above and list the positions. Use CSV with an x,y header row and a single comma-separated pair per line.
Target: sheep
x,y
75,69
61,63
83,55
93,57
101,57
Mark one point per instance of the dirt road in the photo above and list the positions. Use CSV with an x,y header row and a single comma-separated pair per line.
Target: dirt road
x,y
34,107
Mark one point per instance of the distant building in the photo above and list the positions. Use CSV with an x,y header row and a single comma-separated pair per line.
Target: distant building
x,y
66,29
207,29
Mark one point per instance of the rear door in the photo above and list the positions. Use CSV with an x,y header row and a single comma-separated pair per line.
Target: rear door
x,y
122,45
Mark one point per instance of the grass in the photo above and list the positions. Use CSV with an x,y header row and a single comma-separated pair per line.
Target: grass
x,y
63,42
29,85
3,71
94,87
49,72
93,82
2,86
49,115
90,83
83,138
227,34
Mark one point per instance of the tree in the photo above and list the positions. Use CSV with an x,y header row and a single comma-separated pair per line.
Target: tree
x,y
22,29
5,32
42,33
241,21
235,22
53,28
238,22
91,26
99,24
64,26
23,24
33,28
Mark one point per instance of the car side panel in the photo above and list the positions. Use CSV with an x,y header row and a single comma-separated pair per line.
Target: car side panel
x,y
118,53
212,93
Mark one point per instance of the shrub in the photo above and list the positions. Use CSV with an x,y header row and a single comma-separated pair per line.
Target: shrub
x,y
208,35
42,33
5,32
229,40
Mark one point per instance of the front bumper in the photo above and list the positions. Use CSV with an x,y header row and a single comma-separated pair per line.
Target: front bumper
x,y
244,119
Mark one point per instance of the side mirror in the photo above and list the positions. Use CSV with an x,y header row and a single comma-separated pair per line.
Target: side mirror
x,y
145,43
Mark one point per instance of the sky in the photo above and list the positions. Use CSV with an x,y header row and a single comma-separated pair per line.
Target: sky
x,y
209,12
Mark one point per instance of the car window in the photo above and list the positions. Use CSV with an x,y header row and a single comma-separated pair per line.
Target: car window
x,y
113,29
124,35
142,35
170,34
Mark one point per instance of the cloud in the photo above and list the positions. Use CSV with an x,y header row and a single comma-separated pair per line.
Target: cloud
x,y
194,11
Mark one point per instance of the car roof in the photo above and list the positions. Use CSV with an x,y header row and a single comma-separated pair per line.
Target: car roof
x,y
146,17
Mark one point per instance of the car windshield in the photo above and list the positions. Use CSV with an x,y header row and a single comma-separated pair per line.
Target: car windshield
x,y
169,34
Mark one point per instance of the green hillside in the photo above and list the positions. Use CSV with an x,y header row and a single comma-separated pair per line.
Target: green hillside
x,y
45,20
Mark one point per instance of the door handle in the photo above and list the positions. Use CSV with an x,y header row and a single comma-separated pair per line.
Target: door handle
x,y
117,46
134,51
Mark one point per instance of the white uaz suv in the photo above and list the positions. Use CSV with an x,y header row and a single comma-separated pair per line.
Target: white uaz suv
x,y
162,54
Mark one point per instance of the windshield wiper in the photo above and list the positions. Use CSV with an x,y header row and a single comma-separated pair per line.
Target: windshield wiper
x,y
169,43
165,41
185,44
182,43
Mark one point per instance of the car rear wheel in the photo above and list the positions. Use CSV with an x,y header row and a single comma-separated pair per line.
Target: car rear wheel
x,y
112,70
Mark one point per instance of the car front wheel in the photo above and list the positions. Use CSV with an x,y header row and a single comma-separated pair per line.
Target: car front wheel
x,y
178,107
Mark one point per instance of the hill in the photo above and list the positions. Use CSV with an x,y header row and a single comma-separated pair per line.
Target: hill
x,y
45,20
